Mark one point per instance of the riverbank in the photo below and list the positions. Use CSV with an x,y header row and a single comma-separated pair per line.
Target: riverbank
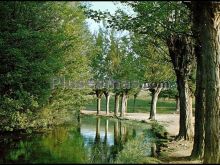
x,y
176,152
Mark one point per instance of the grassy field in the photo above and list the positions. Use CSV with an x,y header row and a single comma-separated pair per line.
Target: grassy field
x,y
142,105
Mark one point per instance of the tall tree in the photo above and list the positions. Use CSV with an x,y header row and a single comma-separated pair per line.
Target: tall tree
x,y
199,135
155,66
37,43
209,33
98,68
75,60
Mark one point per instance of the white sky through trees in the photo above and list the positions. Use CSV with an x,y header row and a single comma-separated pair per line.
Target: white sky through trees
x,y
110,6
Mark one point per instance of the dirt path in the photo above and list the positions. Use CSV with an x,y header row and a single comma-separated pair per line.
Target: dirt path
x,y
178,151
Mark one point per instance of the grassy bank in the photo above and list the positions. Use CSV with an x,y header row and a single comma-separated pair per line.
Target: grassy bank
x,y
142,105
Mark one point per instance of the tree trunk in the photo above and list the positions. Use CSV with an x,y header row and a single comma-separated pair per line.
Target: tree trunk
x,y
210,40
155,92
186,127
99,96
116,104
107,96
199,135
98,105
123,104
198,146
126,104
182,57
177,103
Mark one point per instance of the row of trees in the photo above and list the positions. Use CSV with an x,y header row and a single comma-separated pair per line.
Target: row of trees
x,y
190,32
131,60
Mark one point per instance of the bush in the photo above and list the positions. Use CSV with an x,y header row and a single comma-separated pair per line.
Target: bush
x,y
159,130
136,151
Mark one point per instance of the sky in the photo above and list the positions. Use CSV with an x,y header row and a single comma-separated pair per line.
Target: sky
x,y
109,6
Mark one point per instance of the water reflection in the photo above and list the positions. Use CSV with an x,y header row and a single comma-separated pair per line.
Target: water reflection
x,y
106,138
63,144
94,140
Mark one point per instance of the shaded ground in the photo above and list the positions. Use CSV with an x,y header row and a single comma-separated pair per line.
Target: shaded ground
x,y
176,152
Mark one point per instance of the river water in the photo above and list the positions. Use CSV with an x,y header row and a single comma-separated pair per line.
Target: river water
x,y
96,140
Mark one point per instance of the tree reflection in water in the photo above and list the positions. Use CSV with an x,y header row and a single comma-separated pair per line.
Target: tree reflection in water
x,y
71,144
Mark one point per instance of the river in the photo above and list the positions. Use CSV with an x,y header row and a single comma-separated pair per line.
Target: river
x,y
96,140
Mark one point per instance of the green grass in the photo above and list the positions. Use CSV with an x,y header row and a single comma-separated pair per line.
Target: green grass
x,y
142,105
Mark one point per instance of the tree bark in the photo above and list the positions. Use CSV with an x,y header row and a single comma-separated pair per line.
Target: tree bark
x,y
155,92
123,104
116,109
186,127
126,104
107,96
182,57
210,41
177,103
99,96
98,105
198,145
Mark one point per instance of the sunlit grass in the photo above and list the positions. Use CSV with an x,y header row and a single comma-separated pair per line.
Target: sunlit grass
x,y
142,105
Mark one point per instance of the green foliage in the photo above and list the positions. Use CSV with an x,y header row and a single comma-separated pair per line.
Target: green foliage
x,y
136,151
169,93
114,59
37,42
154,62
155,19
75,61
29,52
153,23
159,130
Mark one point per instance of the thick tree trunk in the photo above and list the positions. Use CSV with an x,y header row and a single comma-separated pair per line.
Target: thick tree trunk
x,y
177,103
199,135
155,92
198,146
99,96
116,109
210,40
182,57
123,104
107,96
186,127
